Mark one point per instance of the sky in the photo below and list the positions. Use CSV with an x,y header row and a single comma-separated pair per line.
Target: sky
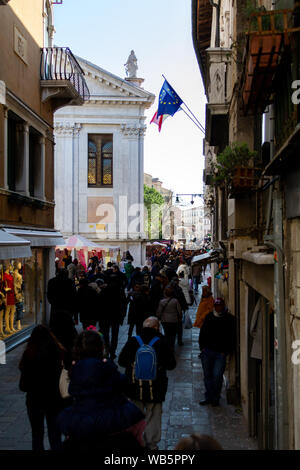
x,y
160,33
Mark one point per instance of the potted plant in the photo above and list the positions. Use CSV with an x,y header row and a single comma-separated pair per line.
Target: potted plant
x,y
234,168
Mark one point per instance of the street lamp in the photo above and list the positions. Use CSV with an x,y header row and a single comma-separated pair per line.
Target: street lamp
x,y
192,195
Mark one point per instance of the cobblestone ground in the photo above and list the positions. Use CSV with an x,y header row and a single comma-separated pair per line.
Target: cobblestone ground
x,y
182,414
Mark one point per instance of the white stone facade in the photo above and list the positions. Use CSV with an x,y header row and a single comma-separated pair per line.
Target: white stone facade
x,y
105,215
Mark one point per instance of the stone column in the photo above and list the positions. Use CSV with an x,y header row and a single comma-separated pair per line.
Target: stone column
x,y
22,163
5,149
64,177
77,129
39,178
142,133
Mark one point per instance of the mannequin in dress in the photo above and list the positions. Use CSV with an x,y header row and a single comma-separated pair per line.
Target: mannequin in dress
x,y
10,308
18,283
2,307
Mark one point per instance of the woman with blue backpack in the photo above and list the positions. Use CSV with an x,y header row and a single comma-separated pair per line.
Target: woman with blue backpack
x,y
146,359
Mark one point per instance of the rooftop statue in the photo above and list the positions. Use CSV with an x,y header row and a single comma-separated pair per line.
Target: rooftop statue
x,y
131,65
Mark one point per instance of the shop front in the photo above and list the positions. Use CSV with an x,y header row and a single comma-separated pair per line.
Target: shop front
x,y
27,262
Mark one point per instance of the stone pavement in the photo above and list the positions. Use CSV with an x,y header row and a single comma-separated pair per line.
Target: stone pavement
x,y
182,414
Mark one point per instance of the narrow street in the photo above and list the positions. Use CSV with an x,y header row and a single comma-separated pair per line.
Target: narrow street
x,y
182,414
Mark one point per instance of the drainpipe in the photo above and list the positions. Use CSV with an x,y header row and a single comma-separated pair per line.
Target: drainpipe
x,y
281,359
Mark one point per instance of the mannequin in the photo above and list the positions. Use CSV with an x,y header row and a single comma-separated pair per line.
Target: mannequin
x,y
18,283
10,308
2,308
29,275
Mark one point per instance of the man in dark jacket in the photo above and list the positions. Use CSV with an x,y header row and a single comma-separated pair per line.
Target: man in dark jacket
x,y
87,304
115,312
150,403
61,293
216,340
137,277
179,295
156,292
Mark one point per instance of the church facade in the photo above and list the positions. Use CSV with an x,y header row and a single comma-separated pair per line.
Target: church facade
x,y
99,163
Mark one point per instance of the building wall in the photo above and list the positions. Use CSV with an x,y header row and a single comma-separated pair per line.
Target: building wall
x,y
22,76
20,73
293,322
108,216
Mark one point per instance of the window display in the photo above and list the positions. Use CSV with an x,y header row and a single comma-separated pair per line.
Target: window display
x,y
21,293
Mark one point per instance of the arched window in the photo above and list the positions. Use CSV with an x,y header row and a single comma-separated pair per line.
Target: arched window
x,y
107,163
92,164
100,160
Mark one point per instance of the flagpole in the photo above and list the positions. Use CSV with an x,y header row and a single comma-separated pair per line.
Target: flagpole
x,y
199,123
194,117
193,120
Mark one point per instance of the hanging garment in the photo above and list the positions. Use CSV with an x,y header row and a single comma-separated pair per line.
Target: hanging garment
x,y
9,284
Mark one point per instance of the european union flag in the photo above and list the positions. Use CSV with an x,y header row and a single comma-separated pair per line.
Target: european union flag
x,y
169,101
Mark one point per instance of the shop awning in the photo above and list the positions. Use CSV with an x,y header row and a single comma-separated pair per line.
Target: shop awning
x,y
258,258
206,258
12,247
38,238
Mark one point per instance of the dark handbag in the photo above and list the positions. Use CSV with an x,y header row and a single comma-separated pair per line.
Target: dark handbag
x,y
192,298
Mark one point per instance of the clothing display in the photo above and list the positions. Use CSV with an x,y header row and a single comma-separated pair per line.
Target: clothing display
x,y
21,293
9,288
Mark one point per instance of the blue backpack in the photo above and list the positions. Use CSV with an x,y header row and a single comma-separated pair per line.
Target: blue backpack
x,y
145,365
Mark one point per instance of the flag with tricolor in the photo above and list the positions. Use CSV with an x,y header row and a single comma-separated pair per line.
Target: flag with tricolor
x,y
159,120
169,103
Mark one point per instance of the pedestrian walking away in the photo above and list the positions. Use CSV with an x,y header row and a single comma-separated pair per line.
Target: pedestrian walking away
x,y
205,306
115,312
149,396
197,276
217,341
101,416
41,366
61,293
170,314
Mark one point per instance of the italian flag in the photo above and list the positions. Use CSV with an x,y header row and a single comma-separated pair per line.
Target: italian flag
x,y
159,120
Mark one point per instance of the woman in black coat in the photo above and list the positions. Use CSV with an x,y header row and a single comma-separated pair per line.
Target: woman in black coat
x,y
40,367
101,416
87,304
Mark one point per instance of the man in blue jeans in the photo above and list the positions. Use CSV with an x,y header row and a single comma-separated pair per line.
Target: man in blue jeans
x,y
216,340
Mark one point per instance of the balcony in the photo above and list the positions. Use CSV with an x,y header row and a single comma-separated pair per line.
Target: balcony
x,y
62,78
268,38
218,83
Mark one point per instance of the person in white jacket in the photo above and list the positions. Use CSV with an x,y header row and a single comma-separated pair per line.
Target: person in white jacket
x,y
183,272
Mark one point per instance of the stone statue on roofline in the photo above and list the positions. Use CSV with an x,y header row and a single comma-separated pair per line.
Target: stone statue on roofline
x,y
131,65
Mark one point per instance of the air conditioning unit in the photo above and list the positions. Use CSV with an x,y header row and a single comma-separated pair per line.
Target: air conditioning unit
x,y
240,245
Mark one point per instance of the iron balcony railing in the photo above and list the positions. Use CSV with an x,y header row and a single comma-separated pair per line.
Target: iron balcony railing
x,y
58,63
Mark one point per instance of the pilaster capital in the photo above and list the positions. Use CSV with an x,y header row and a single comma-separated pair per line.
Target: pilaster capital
x,y
77,129
66,128
133,130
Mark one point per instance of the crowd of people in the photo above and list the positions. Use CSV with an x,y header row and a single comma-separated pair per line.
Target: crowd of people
x,y
105,409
